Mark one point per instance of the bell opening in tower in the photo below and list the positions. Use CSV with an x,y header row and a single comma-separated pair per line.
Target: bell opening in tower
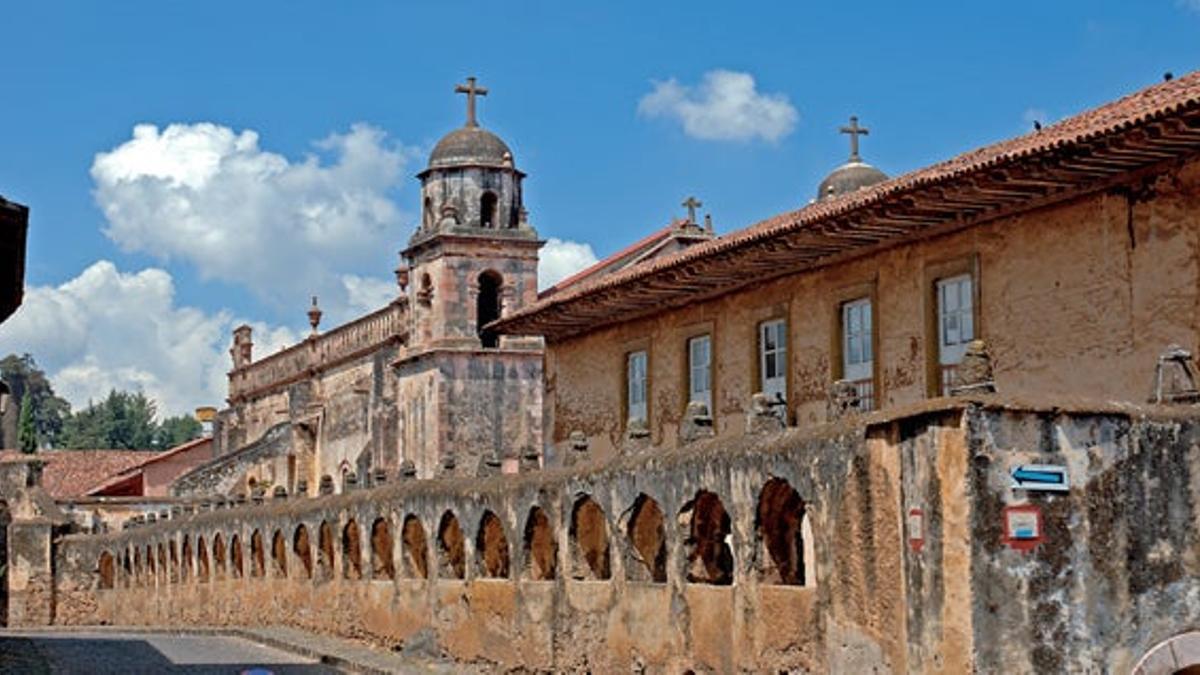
x,y
487,210
488,308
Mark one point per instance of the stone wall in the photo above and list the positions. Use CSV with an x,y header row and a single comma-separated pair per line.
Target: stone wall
x,y
1076,299
785,551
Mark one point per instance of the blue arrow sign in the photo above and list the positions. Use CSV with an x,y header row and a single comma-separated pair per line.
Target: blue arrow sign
x,y
1048,477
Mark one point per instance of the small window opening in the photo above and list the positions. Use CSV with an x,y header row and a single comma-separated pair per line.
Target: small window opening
x,y
488,308
487,210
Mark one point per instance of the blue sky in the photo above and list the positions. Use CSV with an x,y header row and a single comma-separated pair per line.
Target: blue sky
x,y
365,89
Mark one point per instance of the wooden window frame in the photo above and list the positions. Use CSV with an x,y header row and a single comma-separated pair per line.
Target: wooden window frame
x,y
775,312
691,331
868,290
935,272
628,348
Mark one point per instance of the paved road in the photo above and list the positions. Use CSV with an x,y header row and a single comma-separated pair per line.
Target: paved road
x,y
105,652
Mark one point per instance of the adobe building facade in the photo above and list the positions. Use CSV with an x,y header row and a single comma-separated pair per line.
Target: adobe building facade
x,y
945,422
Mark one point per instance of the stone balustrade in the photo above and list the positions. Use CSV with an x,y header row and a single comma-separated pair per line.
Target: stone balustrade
x,y
320,352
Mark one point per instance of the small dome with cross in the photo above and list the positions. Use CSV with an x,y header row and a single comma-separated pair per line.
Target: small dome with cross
x,y
855,174
470,145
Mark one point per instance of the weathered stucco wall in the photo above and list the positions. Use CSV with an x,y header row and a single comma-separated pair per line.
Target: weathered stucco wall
x,y
785,551
734,585
1076,299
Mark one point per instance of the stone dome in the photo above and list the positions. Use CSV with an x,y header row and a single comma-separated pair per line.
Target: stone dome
x,y
470,146
849,177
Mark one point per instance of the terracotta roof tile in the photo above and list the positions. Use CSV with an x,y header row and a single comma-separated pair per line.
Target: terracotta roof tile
x,y
1152,103
72,473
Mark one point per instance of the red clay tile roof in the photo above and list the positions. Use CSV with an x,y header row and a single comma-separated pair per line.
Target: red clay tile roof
x,y
1150,126
72,473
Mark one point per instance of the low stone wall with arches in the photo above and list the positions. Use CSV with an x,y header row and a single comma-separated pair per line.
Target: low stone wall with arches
x,y
876,543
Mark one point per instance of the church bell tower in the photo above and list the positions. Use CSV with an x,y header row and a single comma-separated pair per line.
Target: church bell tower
x,y
472,260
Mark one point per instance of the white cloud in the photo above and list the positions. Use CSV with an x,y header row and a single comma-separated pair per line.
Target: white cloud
x,y
367,294
106,329
212,197
559,259
725,106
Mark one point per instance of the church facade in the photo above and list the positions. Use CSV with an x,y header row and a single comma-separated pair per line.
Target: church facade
x,y
420,387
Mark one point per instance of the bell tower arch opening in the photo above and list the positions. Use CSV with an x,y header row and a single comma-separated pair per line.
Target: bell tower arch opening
x,y
487,308
487,210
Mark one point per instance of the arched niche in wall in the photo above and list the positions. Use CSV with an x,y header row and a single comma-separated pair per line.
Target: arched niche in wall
x,y
325,552
646,549
351,551
590,555
451,548
279,554
709,556
383,566
302,547
106,571
541,548
258,562
415,548
784,551
491,547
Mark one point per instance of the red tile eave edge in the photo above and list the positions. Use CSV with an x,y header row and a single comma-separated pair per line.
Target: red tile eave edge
x,y
1157,102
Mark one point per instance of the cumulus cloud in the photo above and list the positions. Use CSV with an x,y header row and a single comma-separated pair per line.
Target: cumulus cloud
x,y
212,197
559,259
725,106
106,329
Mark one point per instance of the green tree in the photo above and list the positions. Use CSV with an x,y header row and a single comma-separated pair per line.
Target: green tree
x,y
123,420
24,378
176,430
26,433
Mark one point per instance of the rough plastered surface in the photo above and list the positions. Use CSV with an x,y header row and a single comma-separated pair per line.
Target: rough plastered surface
x,y
1115,575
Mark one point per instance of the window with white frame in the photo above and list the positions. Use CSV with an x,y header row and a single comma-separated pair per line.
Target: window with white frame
x,y
700,370
635,381
772,359
955,320
857,357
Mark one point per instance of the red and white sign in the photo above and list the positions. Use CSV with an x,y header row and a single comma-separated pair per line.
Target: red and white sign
x,y
1022,527
916,528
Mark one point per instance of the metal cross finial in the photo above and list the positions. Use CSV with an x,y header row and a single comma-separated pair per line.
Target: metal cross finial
x,y
691,204
471,90
855,131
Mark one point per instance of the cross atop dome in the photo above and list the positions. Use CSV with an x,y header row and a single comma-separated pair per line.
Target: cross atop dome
x,y
854,130
471,90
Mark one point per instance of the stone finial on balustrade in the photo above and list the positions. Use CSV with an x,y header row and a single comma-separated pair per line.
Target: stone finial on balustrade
x,y
974,373
164,515
350,481
151,518
242,351
280,493
314,317
258,495
241,499
326,485
379,476
530,460
176,512
1175,377
843,400
696,424
764,416
302,487
408,470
